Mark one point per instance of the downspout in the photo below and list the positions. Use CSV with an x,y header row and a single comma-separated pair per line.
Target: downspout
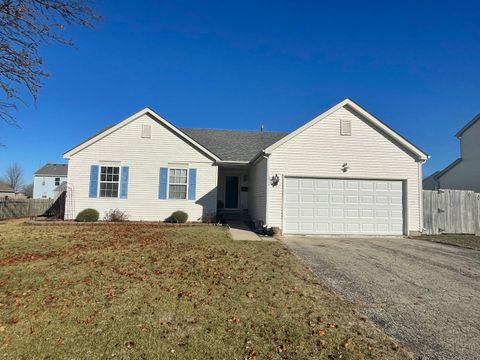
x,y
420,195
267,196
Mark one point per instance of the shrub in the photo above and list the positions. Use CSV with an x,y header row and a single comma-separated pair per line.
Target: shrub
x,y
116,215
88,215
179,217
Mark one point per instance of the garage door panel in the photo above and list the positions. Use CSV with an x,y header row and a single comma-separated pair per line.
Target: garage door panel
x,y
351,199
322,212
292,212
352,213
307,212
321,184
322,227
337,199
336,206
292,197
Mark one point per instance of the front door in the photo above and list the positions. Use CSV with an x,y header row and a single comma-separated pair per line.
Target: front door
x,y
231,192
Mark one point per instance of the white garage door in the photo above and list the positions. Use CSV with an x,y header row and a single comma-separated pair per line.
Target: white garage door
x,y
335,206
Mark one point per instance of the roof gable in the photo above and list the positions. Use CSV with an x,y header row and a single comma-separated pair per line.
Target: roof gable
x,y
378,124
110,129
468,126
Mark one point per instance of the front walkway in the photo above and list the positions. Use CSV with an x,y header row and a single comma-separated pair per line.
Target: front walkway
x,y
240,231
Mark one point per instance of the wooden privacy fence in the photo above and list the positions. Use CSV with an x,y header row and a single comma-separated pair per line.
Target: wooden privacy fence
x,y
17,208
451,212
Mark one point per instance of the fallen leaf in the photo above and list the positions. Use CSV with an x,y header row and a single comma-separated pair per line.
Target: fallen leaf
x,y
6,341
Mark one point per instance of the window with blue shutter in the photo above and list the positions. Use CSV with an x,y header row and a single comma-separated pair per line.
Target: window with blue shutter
x,y
192,183
162,188
124,182
93,181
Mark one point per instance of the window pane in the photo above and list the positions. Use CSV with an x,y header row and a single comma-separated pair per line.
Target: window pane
x,y
177,192
109,179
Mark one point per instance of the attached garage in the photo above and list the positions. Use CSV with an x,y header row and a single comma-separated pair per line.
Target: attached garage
x,y
343,206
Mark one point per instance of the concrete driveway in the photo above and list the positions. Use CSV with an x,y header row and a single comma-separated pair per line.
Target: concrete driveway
x,y
427,295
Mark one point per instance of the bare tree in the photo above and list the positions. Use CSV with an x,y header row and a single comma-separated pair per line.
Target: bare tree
x,y
27,190
14,177
26,25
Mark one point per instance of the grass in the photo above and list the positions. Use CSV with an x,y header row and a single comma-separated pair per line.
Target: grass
x,y
465,241
152,292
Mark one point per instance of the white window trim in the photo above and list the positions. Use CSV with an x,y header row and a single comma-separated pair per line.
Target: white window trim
x,y
100,177
168,183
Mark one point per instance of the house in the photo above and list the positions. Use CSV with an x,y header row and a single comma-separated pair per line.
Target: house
x,y
6,191
344,172
464,172
47,178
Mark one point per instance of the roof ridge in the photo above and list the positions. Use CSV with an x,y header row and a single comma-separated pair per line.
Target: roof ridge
x,y
240,130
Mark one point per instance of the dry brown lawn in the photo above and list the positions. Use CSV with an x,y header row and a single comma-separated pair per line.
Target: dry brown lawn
x,y
135,291
465,241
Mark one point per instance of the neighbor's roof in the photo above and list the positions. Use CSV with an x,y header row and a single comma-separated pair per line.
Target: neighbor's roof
x,y
6,188
53,170
468,126
234,145
440,173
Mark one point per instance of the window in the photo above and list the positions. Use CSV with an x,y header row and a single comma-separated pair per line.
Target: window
x,y
146,131
57,181
177,184
109,179
345,127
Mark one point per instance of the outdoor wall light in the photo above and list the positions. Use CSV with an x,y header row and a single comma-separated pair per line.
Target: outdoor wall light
x,y
345,167
274,180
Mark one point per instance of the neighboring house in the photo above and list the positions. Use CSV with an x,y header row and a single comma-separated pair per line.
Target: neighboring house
x,y
344,172
463,173
47,178
6,191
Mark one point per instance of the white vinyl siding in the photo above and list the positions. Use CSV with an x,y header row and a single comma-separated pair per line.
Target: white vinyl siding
x,y
257,191
144,159
320,151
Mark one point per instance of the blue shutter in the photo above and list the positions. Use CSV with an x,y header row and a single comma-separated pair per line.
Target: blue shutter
x,y
192,183
162,190
124,182
93,181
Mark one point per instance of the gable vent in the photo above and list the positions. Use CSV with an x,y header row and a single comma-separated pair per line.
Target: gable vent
x,y
345,127
146,131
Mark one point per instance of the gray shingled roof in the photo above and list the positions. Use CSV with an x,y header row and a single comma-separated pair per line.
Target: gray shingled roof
x,y
53,170
5,188
234,145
